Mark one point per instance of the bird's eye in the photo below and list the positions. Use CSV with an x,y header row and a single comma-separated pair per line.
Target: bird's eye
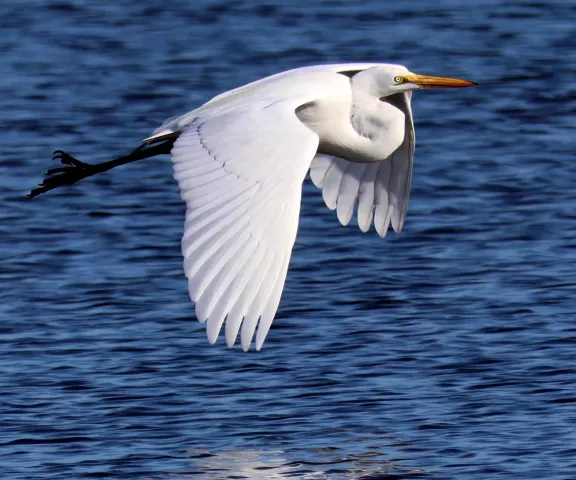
x,y
399,79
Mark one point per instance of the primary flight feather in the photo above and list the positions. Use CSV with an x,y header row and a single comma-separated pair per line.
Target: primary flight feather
x,y
241,158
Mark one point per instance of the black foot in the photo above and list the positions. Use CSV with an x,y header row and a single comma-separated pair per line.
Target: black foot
x,y
57,177
67,159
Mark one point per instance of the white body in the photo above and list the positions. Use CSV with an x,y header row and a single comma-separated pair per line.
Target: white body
x,y
240,161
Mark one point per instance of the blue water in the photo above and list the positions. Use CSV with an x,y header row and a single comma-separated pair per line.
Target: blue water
x,y
445,352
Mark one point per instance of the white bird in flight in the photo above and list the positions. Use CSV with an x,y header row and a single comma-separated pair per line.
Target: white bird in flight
x,y
240,161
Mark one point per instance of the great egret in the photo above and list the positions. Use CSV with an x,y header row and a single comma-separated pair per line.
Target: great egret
x,y
241,158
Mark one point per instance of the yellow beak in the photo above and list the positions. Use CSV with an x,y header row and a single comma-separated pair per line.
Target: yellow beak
x,y
426,81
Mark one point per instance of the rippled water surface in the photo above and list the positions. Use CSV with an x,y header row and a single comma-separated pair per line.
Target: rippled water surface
x,y
445,352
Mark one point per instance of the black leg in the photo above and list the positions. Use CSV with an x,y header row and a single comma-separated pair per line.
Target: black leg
x,y
77,170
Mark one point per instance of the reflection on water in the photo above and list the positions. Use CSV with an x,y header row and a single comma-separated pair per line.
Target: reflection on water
x,y
244,464
328,463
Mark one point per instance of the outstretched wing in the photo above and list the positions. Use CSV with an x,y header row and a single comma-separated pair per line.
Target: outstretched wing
x,y
240,172
380,190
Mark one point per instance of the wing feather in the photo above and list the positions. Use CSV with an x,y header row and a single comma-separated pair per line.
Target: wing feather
x,y
233,259
259,303
366,197
272,306
382,198
349,191
227,290
240,171
246,285
319,168
381,190
221,259
332,181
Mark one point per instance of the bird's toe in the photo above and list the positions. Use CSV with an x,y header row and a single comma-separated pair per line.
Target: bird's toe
x,y
52,171
68,159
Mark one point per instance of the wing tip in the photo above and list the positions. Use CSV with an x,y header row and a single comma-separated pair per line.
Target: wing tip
x,y
345,214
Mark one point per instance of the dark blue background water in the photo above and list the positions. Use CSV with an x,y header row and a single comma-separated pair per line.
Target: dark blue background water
x,y
446,352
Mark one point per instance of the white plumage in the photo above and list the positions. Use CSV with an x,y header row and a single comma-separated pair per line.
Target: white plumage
x,y
240,161
243,201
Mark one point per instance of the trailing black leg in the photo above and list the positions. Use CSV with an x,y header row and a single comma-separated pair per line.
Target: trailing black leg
x,y
77,170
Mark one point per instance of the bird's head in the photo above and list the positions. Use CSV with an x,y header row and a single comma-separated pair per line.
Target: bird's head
x,y
387,79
